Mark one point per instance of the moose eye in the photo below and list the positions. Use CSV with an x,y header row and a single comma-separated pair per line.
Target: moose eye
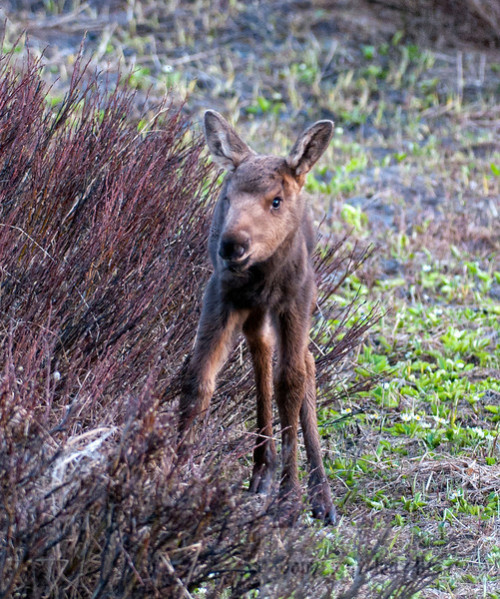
x,y
276,203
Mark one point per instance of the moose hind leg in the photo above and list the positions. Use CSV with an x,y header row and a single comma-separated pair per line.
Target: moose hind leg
x,y
260,341
319,489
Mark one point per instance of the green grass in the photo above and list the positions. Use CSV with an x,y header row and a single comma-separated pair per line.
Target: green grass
x,y
422,446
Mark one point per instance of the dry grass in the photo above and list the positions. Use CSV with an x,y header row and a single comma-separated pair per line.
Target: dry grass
x,y
450,21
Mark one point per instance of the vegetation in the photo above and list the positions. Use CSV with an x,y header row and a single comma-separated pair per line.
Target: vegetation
x,y
106,200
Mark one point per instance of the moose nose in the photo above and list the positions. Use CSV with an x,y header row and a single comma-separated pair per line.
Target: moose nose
x,y
234,247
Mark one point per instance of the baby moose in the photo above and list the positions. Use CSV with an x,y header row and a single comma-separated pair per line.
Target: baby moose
x,y
260,244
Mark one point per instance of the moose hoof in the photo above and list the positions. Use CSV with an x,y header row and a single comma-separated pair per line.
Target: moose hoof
x,y
262,478
327,513
322,505
184,451
288,507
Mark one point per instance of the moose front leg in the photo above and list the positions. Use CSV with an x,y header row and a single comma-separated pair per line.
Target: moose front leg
x,y
214,340
289,395
260,341
319,489
296,395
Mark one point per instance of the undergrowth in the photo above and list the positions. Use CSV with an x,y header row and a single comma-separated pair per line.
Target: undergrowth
x,y
103,225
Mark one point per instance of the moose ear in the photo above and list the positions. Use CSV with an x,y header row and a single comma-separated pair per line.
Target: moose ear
x,y
309,147
226,146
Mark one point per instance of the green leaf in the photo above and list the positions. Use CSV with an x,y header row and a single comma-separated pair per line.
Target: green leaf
x,y
495,169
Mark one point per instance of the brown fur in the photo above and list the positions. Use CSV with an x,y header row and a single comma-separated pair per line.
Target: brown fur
x,y
260,245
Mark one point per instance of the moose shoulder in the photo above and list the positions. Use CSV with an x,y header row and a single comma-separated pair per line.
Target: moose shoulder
x,y
263,286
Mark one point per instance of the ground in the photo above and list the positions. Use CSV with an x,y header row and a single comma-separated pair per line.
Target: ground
x,y
414,171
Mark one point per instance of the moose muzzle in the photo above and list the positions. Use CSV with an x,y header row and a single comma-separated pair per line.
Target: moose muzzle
x,y
233,247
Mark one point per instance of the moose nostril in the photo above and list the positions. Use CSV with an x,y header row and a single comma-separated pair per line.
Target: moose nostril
x,y
232,248
238,250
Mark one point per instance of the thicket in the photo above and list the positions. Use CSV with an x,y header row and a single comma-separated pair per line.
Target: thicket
x,y
103,225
